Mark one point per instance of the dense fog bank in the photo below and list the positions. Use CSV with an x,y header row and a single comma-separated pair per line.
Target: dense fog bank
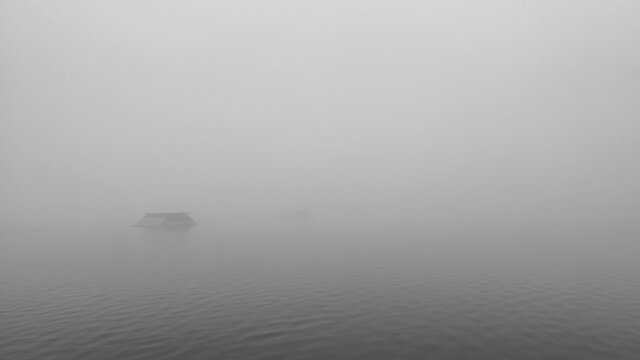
x,y
500,117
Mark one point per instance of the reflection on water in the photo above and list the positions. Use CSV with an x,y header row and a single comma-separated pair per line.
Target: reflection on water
x,y
131,294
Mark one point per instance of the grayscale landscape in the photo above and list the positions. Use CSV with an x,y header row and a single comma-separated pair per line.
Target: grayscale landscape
x,y
319,179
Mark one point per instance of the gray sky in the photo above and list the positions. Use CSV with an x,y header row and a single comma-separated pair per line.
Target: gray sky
x,y
483,112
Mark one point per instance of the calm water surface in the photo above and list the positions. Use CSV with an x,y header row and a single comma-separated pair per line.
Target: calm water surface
x,y
124,294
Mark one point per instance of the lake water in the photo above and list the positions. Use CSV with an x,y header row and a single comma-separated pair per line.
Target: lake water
x,y
212,294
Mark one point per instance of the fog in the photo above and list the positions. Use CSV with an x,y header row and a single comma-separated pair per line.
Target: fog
x,y
497,115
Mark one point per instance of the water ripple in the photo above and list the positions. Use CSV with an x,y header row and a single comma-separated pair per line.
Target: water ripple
x,y
258,300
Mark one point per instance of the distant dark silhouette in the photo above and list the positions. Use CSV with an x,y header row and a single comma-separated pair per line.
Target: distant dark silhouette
x,y
178,220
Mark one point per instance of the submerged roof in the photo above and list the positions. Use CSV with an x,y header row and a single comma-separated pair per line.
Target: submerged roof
x,y
166,220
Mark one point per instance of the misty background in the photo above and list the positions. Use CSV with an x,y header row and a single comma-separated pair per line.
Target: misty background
x,y
496,115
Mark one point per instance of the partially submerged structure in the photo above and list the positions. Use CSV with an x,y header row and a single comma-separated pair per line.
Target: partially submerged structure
x,y
178,220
